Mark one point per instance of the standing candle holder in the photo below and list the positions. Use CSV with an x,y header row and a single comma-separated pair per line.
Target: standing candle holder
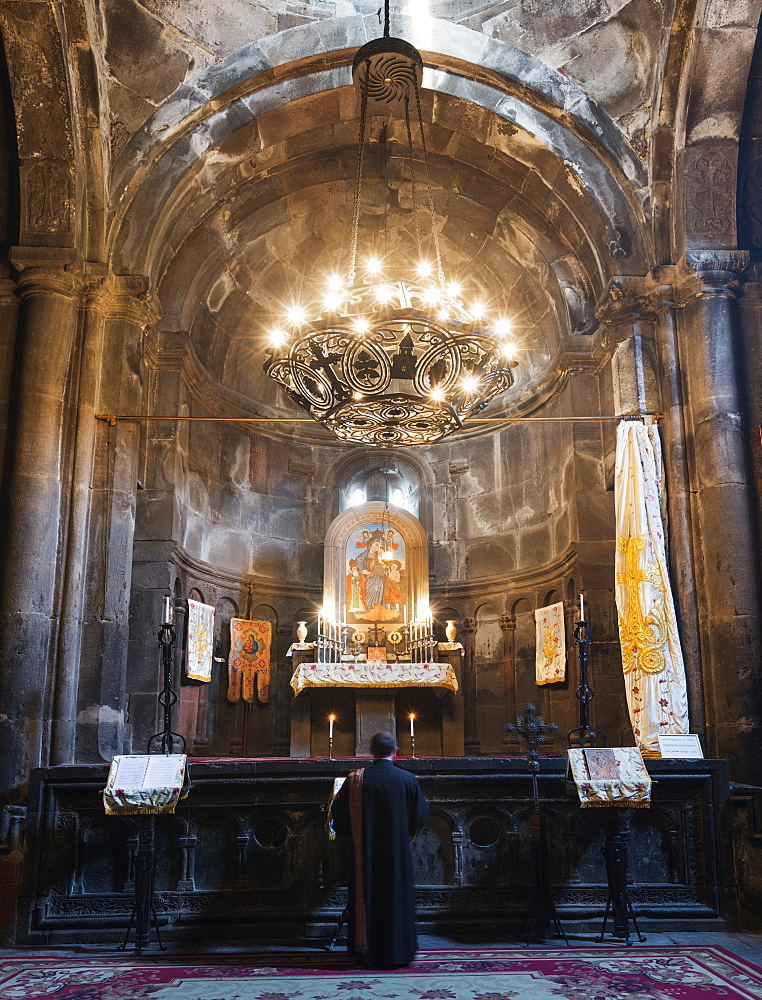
x,y
412,746
584,735
330,748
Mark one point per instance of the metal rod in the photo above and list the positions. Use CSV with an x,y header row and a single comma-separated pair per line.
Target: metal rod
x,y
112,418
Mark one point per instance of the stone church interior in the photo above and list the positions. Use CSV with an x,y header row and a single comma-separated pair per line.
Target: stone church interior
x,y
324,332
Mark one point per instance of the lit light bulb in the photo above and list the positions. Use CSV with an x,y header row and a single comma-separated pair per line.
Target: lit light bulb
x,y
437,394
453,289
383,293
296,315
502,327
424,268
443,315
335,283
509,350
470,384
477,310
357,396
332,300
373,265
361,325
278,337
431,295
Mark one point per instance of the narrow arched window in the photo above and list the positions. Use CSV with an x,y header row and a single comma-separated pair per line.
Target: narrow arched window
x,y
358,497
398,497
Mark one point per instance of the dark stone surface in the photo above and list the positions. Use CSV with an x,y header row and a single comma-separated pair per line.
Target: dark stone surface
x,y
246,854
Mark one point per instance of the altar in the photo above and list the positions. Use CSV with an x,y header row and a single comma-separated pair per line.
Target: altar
x,y
366,696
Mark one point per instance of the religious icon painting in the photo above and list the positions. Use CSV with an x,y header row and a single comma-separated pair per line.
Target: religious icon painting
x,y
249,661
376,582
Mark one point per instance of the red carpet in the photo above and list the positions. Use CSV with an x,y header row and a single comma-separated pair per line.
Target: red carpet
x,y
576,973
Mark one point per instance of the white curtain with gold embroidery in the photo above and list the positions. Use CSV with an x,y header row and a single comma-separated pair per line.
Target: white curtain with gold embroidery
x,y
652,659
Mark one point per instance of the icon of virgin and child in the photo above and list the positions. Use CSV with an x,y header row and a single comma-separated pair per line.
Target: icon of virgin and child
x,y
375,575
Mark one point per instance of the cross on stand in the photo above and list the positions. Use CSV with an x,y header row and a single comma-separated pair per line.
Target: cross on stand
x,y
534,730
374,632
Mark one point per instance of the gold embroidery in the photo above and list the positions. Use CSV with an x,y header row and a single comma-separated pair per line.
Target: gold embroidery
x,y
643,637
549,646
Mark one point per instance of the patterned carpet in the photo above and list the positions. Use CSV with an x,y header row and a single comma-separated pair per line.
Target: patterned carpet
x,y
577,973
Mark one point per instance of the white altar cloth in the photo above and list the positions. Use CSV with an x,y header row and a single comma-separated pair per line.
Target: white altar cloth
x,y
373,674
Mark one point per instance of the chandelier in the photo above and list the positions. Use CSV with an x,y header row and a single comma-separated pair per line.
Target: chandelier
x,y
392,355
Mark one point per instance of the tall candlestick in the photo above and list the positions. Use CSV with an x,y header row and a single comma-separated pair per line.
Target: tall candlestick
x,y
412,723
581,606
330,726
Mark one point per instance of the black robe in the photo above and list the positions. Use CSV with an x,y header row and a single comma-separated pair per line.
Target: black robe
x,y
393,811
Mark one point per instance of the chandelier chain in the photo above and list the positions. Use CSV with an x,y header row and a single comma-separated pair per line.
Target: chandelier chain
x,y
418,236
358,183
435,234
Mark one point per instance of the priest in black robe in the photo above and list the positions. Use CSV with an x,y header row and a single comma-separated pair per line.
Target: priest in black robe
x,y
381,808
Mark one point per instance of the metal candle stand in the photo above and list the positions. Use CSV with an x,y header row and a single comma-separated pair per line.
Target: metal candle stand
x,y
585,734
617,826
144,909
542,910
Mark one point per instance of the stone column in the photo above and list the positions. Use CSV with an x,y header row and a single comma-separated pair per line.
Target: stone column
x,y
751,318
9,309
102,701
467,631
680,555
31,550
723,507
629,320
97,298
508,626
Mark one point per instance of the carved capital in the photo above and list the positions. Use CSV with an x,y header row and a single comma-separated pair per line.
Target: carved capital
x,y
46,271
507,622
711,272
626,300
467,626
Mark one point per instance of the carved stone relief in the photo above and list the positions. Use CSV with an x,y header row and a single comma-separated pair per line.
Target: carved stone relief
x,y
710,193
46,187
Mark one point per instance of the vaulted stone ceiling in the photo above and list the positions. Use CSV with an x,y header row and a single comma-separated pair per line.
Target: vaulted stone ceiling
x,y
234,130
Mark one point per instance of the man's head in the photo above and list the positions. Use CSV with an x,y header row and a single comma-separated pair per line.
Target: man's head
x,y
382,745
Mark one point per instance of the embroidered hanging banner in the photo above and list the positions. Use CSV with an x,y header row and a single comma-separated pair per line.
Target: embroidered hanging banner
x,y
198,664
249,660
550,656
654,674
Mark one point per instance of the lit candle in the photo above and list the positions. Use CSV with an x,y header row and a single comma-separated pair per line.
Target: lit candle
x,y
581,606
412,721
330,726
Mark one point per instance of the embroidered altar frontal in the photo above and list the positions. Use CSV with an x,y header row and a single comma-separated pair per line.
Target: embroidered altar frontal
x,y
374,674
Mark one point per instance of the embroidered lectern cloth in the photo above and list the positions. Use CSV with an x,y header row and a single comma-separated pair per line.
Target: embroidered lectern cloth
x,y
200,641
550,655
373,673
249,660
652,659
632,786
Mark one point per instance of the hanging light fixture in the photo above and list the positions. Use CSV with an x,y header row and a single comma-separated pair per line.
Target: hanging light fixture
x,y
392,356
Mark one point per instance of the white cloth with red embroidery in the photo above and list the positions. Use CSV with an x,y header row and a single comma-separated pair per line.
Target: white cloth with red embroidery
x,y
652,659
198,664
373,673
550,657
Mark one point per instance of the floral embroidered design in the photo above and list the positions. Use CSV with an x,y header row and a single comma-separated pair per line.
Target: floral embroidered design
x,y
643,636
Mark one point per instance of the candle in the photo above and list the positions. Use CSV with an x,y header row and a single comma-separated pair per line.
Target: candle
x,y
581,606
330,726
404,612
412,721
168,616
